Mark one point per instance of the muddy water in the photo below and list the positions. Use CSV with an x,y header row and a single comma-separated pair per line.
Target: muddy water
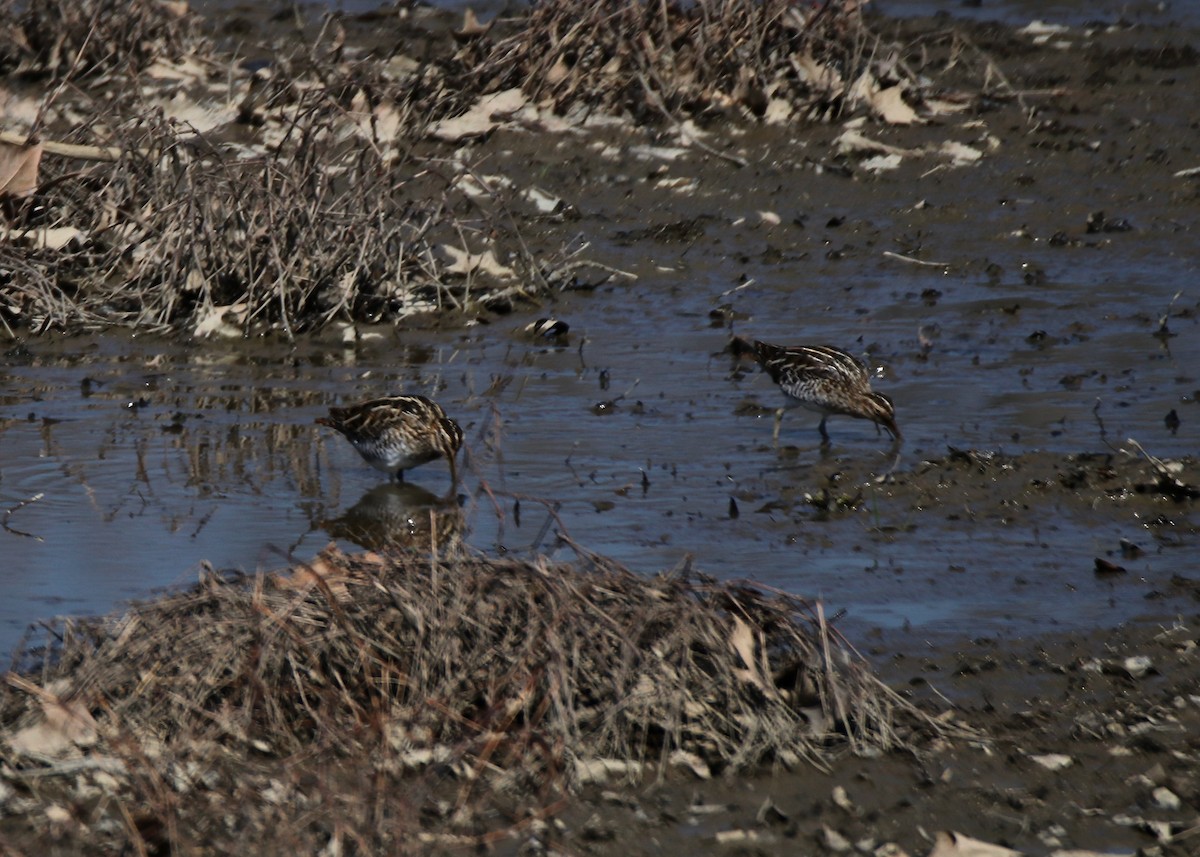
x,y
127,462
147,458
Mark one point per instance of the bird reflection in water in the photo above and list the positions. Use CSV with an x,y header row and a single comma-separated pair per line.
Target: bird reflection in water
x,y
400,516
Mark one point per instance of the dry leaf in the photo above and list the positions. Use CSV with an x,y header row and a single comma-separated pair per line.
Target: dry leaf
x,y
51,239
468,263
599,770
484,117
741,837
684,759
891,107
744,641
471,26
960,154
196,116
221,320
945,106
817,75
544,202
558,72
1053,761
327,568
950,844
19,168
186,71
779,111
880,163
178,8
65,726
853,142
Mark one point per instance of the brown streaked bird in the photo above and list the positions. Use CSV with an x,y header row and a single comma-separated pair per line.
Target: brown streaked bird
x,y
821,378
397,433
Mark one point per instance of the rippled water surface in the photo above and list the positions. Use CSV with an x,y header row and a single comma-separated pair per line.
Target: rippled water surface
x,y
127,462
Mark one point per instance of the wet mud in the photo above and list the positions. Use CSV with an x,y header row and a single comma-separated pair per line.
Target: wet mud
x,y
1035,318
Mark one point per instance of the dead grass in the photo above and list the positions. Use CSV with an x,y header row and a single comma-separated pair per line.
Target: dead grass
x,y
95,37
479,692
678,59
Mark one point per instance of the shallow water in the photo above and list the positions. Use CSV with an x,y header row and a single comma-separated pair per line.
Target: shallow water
x,y
147,458
126,462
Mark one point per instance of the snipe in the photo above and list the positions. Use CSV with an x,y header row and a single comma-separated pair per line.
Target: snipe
x,y
397,433
821,378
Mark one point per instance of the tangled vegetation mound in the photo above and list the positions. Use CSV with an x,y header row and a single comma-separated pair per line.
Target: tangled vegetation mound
x,y
95,37
503,681
682,59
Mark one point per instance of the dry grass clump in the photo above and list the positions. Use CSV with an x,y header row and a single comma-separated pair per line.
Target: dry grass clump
x,y
324,226
203,197
94,37
465,689
683,58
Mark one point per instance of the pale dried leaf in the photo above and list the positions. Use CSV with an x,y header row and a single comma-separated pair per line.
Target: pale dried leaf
x,y
1053,761
779,112
488,113
950,844
176,8
196,116
471,26
223,321
544,202
465,262
1037,27
186,70
57,814
944,107
64,727
680,184
599,770
817,75
54,238
842,801
558,72
19,168
891,107
685,759
741,837
881,163
851,141
646,153
960,154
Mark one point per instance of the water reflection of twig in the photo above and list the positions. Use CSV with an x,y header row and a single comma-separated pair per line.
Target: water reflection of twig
x,y
9,513
1100,423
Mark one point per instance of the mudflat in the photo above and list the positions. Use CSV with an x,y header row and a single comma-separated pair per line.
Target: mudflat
x,y
1036,145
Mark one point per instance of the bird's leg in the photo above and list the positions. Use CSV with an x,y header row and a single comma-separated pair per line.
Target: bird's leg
x,y
399,475
824,433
